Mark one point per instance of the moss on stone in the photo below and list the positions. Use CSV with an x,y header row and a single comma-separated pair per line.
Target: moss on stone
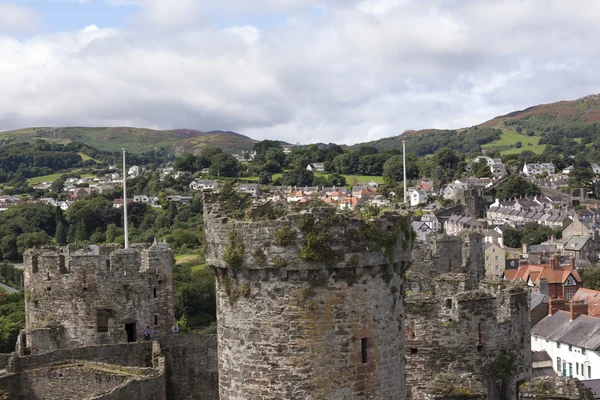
x,y
233,253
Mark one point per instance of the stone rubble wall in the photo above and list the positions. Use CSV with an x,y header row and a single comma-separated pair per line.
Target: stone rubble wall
x,y
463,324
555,388
311,329
191,364
67,287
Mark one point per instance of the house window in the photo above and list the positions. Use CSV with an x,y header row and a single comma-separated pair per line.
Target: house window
x,y
496,258
558,345
569,295
589,371
582,351
577,368
570,370
558,364
570,348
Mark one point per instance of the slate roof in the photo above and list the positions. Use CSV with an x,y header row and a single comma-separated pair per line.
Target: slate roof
x,y
594,385
537,356
583,332
576,243
537,299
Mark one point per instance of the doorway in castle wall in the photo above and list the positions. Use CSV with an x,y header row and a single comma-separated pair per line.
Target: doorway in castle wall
x,y
130,330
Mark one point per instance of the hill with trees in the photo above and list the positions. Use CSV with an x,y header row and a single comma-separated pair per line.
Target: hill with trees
x,y
136,140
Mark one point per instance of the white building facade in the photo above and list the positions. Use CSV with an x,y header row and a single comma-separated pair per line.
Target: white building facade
x,y
573,345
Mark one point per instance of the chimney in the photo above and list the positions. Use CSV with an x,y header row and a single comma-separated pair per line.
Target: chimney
x,y
572,261
555,305
525,248
543,286
539,259
577,308
555,262
552,239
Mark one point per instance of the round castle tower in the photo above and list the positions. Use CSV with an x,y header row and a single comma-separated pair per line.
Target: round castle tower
x,y
309,304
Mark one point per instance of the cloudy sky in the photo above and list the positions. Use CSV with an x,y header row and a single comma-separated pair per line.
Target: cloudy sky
x,y
297,70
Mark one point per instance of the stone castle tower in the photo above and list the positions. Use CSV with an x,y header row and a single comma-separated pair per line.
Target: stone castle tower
x,y
458,322
89,295
309,304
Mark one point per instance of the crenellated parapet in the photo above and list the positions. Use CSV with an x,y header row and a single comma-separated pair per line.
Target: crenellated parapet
x,y
309,302
83,295
464,324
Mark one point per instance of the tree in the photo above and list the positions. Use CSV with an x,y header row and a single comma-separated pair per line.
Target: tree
x,y
28,240
581,178
8,245
224,165
518,144
111,233
446,158
590,277
517,186
481,169
512,238
394,167
71,233
61,234
80,231
298,177
346,163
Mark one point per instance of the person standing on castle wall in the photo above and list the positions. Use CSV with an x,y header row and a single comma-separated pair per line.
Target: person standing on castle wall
x,y
175,328
147,333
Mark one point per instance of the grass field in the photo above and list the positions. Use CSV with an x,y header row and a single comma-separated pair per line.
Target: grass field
x,y
51,178
509,138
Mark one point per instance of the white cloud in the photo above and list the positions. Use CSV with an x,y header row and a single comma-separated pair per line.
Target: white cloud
x,y
334,70
14,18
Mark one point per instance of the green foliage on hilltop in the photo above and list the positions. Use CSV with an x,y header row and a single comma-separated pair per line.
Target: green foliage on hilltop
x,y
466,141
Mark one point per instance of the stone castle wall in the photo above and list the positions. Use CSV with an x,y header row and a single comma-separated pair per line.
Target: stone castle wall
x,y
191,366
99,372
462,324
441,254
555,388
311,306
79,296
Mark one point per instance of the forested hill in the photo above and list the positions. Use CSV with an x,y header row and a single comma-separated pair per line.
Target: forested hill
x,y
566,127
136,140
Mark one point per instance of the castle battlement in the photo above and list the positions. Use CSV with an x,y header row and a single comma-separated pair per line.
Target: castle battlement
x,y
463,322
309,302
81,295
305,240
94,259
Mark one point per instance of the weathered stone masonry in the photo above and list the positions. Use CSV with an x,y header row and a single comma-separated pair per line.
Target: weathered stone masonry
x,y
88,295
461,324
309,305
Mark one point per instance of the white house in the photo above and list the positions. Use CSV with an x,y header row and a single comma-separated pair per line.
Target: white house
x,y
432,222
133,171
596,168
568,170
253,189
417,197
571,340
204,185
536,169
316,167
421,229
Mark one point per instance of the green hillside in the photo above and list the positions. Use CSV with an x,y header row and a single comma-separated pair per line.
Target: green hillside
x,y
565,127
136,140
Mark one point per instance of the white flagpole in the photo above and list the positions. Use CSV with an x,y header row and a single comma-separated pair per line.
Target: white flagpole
x,y
404,166
125,219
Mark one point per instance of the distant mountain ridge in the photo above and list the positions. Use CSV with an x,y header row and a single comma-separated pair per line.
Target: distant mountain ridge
x,y
136,140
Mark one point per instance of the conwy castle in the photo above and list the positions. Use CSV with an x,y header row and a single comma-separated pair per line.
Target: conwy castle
x,y
312,303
